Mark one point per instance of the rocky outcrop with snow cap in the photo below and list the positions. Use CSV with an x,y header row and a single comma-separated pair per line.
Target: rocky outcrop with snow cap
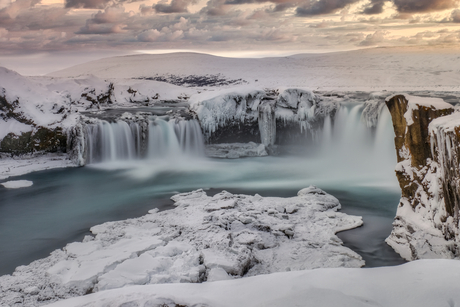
x,y
31,117
426,222
205,238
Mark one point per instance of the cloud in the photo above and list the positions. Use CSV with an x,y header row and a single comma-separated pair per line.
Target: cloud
x,y
10,12
176,6
215,8
312,7
375,7
166,34
108,21
94,28
374,39
423,6
86,4
455,16
109,15
146,10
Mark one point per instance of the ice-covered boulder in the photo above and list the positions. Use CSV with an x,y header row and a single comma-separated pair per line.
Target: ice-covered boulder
x,y
205,238
426,222
235,150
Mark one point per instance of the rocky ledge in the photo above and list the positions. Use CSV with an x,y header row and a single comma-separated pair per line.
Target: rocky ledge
x,y
427,138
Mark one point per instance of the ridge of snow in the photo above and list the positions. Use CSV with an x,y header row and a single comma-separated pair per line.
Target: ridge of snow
x,y
410,284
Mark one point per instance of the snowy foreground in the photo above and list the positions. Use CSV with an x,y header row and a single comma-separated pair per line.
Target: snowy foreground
x,y
422,283
204,239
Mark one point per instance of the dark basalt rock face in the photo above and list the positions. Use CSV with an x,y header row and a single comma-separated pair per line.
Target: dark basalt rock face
x,y
41,139
412,141
236,132
415,136
428,171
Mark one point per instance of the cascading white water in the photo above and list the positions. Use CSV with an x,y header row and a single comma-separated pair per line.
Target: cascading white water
x,y
112,141
108,142
355,150
190,137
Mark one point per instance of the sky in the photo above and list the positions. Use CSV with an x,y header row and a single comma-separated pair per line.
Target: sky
x,y
40,36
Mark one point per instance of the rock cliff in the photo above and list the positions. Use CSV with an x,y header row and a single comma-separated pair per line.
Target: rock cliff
x,y
426,141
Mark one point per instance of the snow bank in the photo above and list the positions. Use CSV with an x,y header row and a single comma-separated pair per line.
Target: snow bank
x,y
423,283
16,184
221,237
10,167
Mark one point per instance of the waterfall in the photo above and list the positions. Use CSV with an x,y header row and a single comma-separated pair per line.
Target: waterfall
x,y
121,141
170,139
267,124
356,150
112,141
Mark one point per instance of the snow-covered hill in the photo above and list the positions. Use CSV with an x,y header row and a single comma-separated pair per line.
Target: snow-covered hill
x,y
396,69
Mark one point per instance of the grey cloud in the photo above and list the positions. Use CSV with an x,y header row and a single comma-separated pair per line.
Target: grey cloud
x,y
374,39
176,6
86,4
109,15
8,14
312,7
421,6
215,8
455,16
105,22
235,2
281,7
146,10
93,28
375,7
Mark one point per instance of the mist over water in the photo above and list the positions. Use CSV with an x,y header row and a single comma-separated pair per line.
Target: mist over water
x,y
348,160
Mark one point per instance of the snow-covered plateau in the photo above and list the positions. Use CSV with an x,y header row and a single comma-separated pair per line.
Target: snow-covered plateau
x,y
148,107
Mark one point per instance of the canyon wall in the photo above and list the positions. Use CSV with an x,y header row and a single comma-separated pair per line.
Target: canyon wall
x,y
427,140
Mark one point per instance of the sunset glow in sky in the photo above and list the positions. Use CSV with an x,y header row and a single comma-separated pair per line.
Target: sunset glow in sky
x,y
61,33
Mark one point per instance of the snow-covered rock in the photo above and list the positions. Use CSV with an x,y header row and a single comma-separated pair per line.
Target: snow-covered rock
x,y
426,222
221,237
235,150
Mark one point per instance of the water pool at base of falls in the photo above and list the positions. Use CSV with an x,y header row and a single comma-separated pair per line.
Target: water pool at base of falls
x,y
63,204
